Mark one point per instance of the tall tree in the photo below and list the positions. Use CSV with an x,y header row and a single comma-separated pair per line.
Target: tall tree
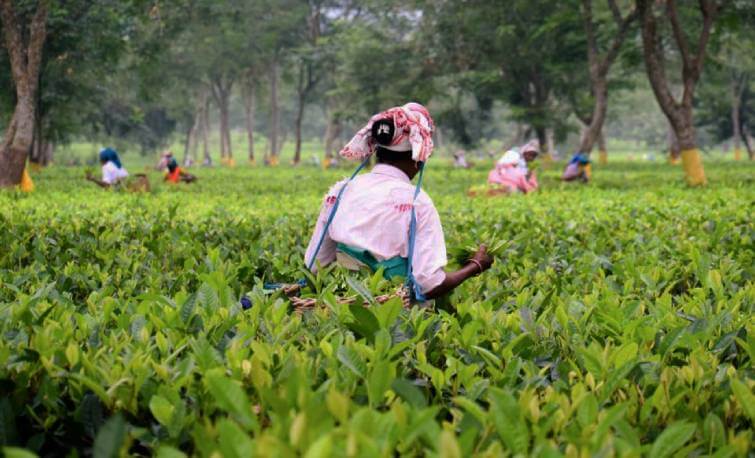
x,y
599,64
271,157
308,62
515,52
221,86
678,112
227,41
249,99
24,36
732,70
281,23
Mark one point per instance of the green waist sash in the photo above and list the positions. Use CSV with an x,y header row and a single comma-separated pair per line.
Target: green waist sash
x,y
394,267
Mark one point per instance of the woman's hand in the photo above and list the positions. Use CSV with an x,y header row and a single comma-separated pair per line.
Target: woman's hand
x,y
482,259
479,263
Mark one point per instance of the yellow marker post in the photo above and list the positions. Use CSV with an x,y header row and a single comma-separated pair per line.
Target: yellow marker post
x,y
737,154
693,167
588,170
26,184
602,157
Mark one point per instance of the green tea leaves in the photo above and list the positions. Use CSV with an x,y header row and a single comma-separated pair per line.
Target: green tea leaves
x,y
672,439
615,321
231,398
745,398
110,438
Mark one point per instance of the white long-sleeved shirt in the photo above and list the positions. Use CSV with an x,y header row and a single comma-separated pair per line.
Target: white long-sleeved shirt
x,y
374,215
111,173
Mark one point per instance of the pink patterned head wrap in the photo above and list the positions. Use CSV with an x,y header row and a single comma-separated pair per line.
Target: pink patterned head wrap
x,y
413,127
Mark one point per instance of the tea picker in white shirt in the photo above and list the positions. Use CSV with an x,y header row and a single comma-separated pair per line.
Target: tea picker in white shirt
x,y
380,219
113,173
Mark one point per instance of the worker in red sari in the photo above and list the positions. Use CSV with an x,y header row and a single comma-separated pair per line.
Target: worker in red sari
x,y
176,175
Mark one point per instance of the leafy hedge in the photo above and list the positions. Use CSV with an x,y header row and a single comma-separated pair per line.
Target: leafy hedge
x,y
617,320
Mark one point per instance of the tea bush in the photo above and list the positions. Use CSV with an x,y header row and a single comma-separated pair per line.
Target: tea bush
x,y
617,320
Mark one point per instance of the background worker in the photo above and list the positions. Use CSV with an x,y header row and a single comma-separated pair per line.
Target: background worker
x,y
578,169
176,174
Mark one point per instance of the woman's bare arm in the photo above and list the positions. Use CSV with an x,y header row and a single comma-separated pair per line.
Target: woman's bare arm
x,y
99,183
481,261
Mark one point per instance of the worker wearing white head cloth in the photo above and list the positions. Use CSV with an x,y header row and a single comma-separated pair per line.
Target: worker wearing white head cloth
x,y
378,211
529,152
511,174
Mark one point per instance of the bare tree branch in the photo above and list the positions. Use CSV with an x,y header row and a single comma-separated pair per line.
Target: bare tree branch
x,y
13,43
592,45
37,36
681,40
618,40
709,10
653,59
615,12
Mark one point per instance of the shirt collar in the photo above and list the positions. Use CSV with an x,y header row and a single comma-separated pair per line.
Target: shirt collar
x,y
391,171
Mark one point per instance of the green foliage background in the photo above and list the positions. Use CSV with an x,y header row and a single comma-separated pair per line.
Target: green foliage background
x,y
619,320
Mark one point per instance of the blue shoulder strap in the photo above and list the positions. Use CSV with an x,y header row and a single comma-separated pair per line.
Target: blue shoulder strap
x,y
411,284
333,213
410,281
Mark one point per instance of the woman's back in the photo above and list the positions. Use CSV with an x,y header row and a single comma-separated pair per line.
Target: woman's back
x,y
111,173
375,211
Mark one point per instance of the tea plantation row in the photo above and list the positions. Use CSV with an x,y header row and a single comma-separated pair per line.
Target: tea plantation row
x,y
618,321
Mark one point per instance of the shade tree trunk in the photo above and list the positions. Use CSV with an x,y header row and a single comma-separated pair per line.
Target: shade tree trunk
x,y
42,149
602,150
678,112
195,136
332,133
249,97
272,158
297,127
205,131
738,85
24,44
748,141
221,92
674,151
308,78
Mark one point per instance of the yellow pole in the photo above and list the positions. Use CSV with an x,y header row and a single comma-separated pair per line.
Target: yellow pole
x,y
602,157
693,167
587,168
26,184
737,154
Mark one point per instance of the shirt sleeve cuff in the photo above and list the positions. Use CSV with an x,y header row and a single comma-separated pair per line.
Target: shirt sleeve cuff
x,y
429,282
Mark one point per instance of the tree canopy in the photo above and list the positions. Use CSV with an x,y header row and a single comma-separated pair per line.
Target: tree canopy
x,y
144,72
